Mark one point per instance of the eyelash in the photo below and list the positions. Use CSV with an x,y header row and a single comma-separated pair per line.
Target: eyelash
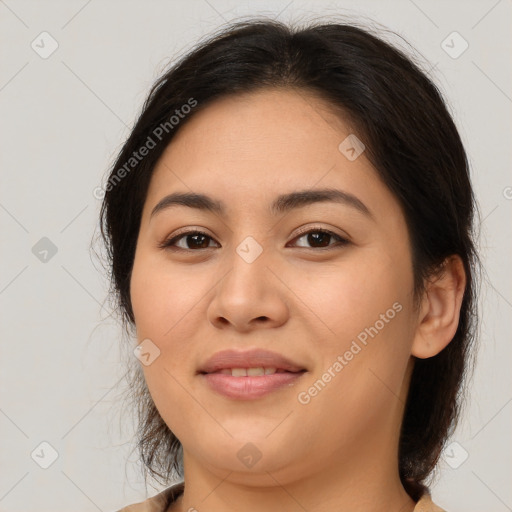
x,y
168,243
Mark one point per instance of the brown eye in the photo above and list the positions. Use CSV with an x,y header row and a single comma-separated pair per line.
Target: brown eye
x,y
320,239
197,240
190,240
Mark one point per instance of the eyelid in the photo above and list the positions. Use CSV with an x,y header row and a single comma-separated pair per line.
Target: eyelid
x,y
168,241
309,229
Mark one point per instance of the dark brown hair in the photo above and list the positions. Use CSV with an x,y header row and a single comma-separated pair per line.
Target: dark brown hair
x,y
410,139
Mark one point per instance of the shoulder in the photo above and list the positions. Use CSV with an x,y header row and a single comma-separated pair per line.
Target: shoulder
x,y
158,503
425,504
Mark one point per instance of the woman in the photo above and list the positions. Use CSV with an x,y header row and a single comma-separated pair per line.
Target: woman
x,y
289,228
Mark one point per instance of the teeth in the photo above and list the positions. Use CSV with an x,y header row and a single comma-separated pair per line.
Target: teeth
x,y
255,372
248,372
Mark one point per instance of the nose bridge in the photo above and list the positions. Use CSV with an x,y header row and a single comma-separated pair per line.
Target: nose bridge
x,y
248,267
249,250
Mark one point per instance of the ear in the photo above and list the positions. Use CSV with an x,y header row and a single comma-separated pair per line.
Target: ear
x,y
439,313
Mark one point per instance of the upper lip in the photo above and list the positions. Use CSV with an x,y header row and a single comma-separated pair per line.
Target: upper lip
x,y
255,358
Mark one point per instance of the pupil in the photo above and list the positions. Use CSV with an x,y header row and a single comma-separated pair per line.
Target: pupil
x,y
200,245
318,238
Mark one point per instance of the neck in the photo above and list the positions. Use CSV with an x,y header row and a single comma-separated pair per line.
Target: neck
x,y
369,485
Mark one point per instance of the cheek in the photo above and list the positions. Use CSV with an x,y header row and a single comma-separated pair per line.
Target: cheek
x,y
164,299
362,321
345,299
165,306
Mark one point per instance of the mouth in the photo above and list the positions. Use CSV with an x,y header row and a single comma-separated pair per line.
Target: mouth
x,y
248,375
255,361
251,372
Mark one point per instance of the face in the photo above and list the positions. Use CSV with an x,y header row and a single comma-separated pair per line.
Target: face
x,y
324,281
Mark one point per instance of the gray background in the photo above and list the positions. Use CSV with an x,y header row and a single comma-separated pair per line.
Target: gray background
x,y
64,117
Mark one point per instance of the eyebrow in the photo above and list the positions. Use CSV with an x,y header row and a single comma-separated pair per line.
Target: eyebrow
x,y
282,204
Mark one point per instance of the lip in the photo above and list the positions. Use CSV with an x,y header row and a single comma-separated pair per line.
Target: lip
x,y
250,387
249,359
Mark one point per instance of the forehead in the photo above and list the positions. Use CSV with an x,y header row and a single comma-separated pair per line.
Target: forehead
x,y
252,147
270,125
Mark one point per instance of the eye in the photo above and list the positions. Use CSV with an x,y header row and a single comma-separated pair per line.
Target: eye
x,y
191,240
320,238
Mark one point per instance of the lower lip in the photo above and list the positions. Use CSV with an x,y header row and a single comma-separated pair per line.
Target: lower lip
x,y
249,388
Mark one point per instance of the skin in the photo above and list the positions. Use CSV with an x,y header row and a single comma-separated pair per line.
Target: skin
x,y
339,451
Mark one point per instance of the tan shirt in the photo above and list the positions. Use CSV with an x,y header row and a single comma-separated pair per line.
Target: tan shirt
x,y
163,500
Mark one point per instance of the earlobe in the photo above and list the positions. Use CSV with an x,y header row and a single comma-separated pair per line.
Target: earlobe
x,y
440,309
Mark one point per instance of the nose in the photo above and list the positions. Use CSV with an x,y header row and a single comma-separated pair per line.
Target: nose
x,y
249,296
